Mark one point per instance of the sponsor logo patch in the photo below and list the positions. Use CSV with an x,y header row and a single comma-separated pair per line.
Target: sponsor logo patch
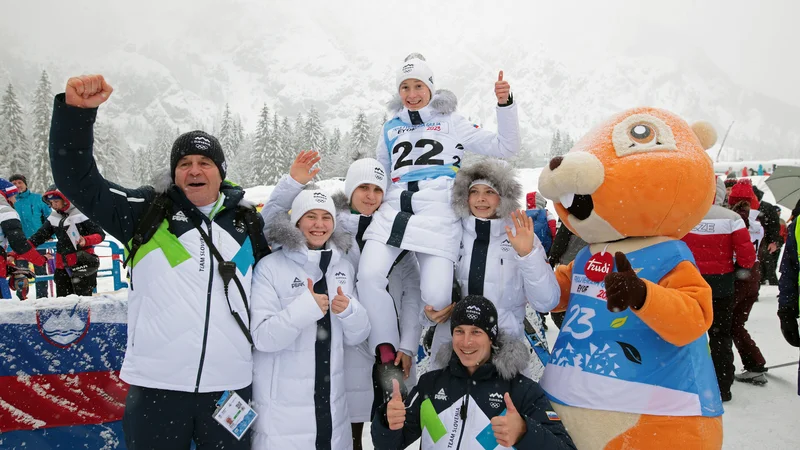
x,y
441,395
180,217
297,283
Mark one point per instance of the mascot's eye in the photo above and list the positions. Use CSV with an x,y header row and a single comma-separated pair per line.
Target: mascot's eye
x,y
642,133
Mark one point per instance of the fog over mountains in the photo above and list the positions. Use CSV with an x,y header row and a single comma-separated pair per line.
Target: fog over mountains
x,y
185,64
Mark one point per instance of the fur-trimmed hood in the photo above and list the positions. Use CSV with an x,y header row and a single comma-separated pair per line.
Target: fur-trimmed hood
x,y
340,202
497,172
509,356
443,101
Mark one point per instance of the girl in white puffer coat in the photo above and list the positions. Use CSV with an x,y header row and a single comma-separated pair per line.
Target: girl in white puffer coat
x,y
304,313
501,258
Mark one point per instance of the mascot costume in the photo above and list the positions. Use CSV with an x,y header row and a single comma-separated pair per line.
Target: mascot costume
x,y
631,368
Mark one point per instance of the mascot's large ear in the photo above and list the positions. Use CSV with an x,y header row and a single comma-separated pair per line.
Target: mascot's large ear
x,y
706,133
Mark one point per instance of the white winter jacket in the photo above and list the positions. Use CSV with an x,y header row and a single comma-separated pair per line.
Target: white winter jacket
x,y
403,287
293,371
425,148
489,266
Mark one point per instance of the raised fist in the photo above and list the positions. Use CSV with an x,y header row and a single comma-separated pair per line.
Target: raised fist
x,y
87,91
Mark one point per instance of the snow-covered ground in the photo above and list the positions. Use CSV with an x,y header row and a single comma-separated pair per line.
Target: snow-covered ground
x,y
758,416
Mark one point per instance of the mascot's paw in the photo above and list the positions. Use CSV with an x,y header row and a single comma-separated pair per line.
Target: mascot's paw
x,y
624,289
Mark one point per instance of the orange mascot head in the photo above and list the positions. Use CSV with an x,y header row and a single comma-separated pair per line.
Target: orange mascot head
x,y
642,173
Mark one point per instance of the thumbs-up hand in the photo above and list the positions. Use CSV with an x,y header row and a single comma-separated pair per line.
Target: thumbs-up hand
x,y
396,409
509,428
624,289
340,302
87,91
321,299
502,90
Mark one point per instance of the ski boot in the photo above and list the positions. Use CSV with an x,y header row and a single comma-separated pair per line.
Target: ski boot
x,y
756,376
384,371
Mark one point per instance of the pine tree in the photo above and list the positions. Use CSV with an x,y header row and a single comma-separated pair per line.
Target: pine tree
x,y
246,164
555,145
260,148
361,139
108,152
298,135
566,143
314,134
227,133
15,145
40,176
335,161
286,150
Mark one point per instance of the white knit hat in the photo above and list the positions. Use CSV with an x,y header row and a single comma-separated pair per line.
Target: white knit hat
x,y
415,67
312,199
364,171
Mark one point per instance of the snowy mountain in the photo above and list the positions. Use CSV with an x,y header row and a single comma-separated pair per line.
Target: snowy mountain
x,y
291,61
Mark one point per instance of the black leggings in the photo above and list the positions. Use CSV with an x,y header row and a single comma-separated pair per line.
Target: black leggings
x,y
157,419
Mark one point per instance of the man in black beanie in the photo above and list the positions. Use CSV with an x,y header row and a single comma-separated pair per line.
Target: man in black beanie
x,y
188,312
478,311
197,165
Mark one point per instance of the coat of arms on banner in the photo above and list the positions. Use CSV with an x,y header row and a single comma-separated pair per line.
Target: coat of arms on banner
x,y
64,327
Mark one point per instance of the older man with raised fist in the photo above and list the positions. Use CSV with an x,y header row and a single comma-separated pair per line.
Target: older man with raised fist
x,y
479,400
188,241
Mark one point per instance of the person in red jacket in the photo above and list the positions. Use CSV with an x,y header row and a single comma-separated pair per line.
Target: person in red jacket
x,y
76,263
743,200
720,243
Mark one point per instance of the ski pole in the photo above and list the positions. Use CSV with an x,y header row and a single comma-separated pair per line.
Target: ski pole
x,y
777,366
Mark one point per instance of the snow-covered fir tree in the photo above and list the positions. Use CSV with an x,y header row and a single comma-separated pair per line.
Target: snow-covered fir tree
x,y
314,133
362,140
39,175
335,161
227,134
260,147
298,134
109,152
15,148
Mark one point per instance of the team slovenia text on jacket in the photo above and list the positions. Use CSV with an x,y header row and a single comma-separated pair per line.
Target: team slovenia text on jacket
x,y
299,386
181,333
424,148
450,409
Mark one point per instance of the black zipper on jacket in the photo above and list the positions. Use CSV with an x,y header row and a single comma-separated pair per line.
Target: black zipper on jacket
x,y
463,413
208,314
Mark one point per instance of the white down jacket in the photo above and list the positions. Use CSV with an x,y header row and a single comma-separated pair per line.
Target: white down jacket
x,y
403,287
425,148
488,265
299,363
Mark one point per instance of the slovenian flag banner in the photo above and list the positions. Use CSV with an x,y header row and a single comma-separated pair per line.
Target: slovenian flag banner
x,y
59,373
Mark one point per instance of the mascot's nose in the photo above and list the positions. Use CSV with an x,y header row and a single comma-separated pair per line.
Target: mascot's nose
x,y
555,162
